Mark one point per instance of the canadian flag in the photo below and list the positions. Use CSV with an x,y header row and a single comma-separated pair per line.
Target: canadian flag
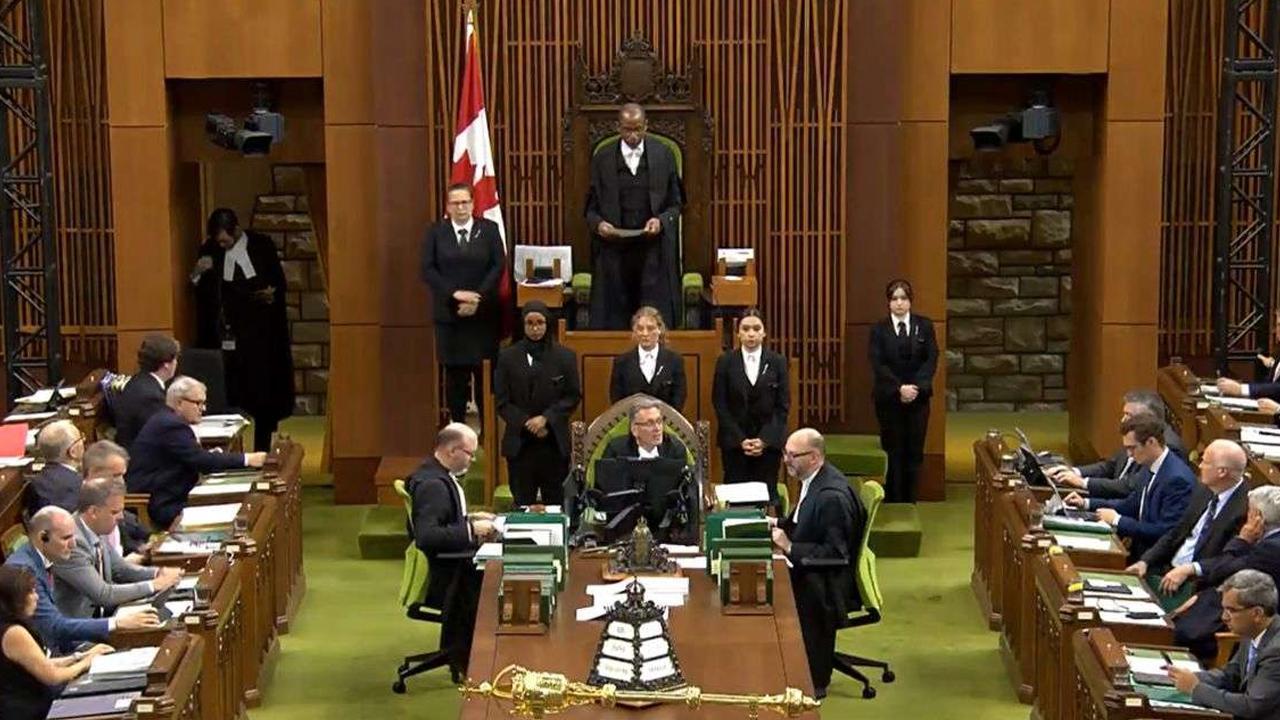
x,y
473,160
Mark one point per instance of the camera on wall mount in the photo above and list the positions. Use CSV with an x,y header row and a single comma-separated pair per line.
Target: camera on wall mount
x,y
1039,123
255,135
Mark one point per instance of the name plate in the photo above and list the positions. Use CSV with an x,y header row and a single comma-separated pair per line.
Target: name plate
x,y
621,630
657,647
651,629
620,649
656,669
615,670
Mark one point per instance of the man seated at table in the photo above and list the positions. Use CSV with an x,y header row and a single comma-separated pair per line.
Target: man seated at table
x,y
1255,547
61,446
1249,685
444,531
821,538
1117,476
647,439
1154,508
105,459
94,579
168,459
143,395
51,535
1214,515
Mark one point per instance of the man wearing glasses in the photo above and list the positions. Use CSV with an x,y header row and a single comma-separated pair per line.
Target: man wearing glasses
x,y
821,538
646,439
1249,685
166,459
61,446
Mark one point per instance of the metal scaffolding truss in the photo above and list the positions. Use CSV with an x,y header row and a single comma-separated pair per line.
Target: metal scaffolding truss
x,y
1245,192
28,257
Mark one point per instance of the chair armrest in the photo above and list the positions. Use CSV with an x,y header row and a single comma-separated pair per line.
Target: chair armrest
x,y
459,555
1226,644
137,502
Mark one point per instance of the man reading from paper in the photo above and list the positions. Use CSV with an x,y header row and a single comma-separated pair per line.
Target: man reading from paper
x,y
633,214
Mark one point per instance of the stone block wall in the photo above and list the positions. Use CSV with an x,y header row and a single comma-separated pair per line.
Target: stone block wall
x,y
285,217
1009,284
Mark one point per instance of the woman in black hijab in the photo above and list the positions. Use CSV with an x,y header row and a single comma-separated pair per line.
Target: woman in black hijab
x,y
536,389
240,308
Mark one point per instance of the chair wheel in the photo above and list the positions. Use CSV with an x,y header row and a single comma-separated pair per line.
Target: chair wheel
x,y
397,687
868,693
455,676
888,676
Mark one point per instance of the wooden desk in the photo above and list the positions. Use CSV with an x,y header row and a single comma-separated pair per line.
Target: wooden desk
x,y
255,553
174,681
1060,612
705,642
13,485
992,481
1177,386
220,626
1101,682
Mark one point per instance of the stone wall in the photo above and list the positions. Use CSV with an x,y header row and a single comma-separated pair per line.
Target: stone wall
x,y
285,217
1009,284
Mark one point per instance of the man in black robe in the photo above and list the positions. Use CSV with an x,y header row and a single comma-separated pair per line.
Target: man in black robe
x,y
633,214
240,308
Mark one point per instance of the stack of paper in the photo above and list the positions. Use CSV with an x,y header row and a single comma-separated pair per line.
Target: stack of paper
x,y
220,427
32,417
1236,403
182,547
40,397
204,516
742,493
1260,434
1082,542
1209,389
188,583
222,489
8,462
178,608
665,592
122,664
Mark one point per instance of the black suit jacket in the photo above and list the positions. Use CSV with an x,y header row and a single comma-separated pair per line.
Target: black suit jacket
x,y
166,461
1105,480
1204,617
893,371
747,411
549,388
55,484
141,398
1224,527
625,446
447,268
439,527
668,384
828,525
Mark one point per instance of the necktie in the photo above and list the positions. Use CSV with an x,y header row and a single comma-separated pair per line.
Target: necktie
x,y
902,330
1142,503
1251,663
102,562
904,346
462,237
1205,522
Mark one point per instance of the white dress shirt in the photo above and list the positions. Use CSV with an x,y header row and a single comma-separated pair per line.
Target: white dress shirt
x,y
468,226
1188,548
648,362
751,362
804,492
651,454
905,319
462,502
238,256
631,156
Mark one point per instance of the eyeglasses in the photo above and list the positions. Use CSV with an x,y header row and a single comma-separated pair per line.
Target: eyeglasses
x,y
1232,610
648,423
792,456
469,453
202,404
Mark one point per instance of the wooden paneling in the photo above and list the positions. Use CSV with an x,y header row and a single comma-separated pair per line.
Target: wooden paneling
x,y
127,343
399,41
873,205
1130,222
242,38
186,234
134,39
1135,77
911,64
348,37
777,98
141,211
355,366
354,259
1126,359
408,382
403,213
923,225
1029,36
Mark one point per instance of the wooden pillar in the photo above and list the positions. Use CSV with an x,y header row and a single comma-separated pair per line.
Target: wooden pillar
x,y
897,203
1114,345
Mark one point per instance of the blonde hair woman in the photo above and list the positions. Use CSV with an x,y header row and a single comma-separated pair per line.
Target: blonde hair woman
x,y
650,368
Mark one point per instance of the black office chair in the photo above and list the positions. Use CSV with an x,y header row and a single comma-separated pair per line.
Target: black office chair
x,y
413,592
209,367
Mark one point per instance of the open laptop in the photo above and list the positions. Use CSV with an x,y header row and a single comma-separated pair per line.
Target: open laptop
x,y
1032,472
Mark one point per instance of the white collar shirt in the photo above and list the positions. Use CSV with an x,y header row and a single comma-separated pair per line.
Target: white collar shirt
x,y
238,256
631,156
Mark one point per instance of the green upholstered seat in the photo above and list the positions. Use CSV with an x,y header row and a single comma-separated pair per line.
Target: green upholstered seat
x,y
413,594
622,428
413,581
502,500
857,455
672,145
872,496
581,284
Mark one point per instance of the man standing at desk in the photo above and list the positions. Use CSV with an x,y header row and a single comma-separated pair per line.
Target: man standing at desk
x,y
633,215
821,538
647,440
1249,685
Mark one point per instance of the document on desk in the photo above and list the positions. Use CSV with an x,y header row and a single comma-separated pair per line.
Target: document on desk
x,y
1081,542
33,417
489,551
41,397
182,547
91,705
1266,434
652,585
696,562
1156,665
681,549
221,489
600,604
126,662
15,462
188,583
742,493
196,516
1238,403
1268,451
1209,389
220,427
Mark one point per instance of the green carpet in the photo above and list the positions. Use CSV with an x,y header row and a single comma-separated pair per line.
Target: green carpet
x,y
340,658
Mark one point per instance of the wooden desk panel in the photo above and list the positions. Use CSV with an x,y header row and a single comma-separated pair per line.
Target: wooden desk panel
x,y
13,485
990,484
705,642
1098,658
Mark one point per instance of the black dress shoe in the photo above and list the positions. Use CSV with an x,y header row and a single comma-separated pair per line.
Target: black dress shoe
x,y
820,693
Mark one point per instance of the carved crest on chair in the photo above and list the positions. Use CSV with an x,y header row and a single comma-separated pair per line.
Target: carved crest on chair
x,y
637,76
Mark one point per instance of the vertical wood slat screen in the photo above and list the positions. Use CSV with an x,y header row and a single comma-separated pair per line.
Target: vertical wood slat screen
x,y
1194,66
775,79
81,191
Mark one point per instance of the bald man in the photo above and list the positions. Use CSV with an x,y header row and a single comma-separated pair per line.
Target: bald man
x,y
1213,516
61,446
635,188
448,535
821,538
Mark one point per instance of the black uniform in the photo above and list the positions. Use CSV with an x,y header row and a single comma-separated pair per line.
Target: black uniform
x,y
667,384
260,368
903,356
536,378
628,273
463,344
744,410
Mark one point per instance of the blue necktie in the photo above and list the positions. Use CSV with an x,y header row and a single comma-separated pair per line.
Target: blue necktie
x,y
1250,666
